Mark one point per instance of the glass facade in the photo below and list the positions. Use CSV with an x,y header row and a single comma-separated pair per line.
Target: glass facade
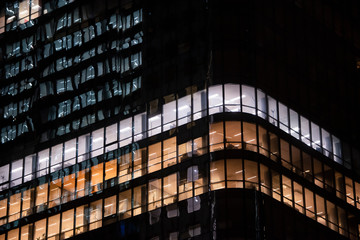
x,y
101,149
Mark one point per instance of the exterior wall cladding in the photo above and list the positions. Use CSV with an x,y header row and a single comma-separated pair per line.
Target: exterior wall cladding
x,y
191,119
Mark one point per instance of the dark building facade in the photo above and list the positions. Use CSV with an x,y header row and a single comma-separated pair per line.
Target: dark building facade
x,y
191,119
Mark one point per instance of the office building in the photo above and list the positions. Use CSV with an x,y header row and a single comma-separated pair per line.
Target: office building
x,y
191,119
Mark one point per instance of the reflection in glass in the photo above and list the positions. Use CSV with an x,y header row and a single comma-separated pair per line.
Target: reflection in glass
x,y
216,134
234,172
233,134
95,212
154,194
217,175
67,223
125,204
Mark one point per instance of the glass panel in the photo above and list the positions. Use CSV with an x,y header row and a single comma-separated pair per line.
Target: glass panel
x,y
287,191
97,142
187,177
56,157
337,150
14,207
234,170
233,134
342,221
215,99
170,189
273,112
125,132
326,143
357,191
349,191
284,119
67,224
265,179
154,194
139,126
309,203
298,197
83,147
305,130
40,229
285,154
139,200
109,206
13,234
111,133
95,219
274,147
276,185
169,115
217,175
81,220
263,141
340,185
250,139
216,136
329,178
43,163
81,181
125,204
318,173
16,172
25,230
251,174
27,200
41,197
139,162
307,165
332,216
55,193
169,152
29,167
294,124
96,178
248,99
125,168
200,146
232,98
296,160
154,125
154,157
54,227
70,149
320,210
3,211
23,11
68,193
200,104
261,104
184,110
110,169
315,137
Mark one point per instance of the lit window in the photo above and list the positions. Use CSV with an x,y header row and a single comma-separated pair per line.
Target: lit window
x,y
217,175
14,208
95,215
154,157
109,206
124,204
68,193
27,199
234,173
169,152
40,229
170,189
41,197
55,193
67,223
13,234
154,194
216,133
53,227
